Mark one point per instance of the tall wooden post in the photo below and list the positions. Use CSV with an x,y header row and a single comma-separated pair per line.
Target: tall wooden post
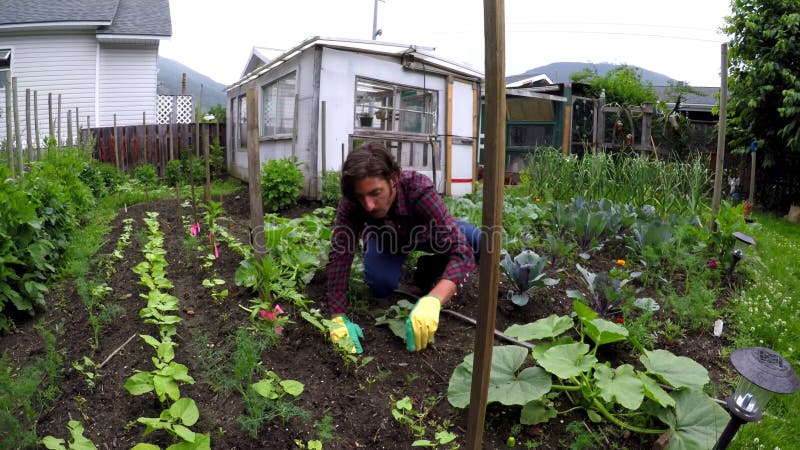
x,y
116,144
28,137
494,32
36,121
9,123
58,122
254,177
144,135
69,128
77,127
17,132
322,137
198,114
206,156
51,125
723,103
752,197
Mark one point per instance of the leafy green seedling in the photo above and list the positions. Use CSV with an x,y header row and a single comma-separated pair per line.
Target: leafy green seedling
x,y
79,441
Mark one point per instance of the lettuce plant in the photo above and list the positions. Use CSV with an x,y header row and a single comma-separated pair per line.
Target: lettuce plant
x,y
662,395
526,271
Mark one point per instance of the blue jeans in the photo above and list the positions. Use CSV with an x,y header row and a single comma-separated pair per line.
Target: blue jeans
x,y
382,268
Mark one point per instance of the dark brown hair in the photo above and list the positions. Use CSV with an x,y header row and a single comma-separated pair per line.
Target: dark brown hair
x,y
370,160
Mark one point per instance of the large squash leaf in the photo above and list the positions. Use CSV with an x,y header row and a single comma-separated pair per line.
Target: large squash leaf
x,y
696,421
506,386
677,371
568,360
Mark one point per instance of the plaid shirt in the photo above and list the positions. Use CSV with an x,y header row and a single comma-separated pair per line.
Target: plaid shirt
x,y
418,219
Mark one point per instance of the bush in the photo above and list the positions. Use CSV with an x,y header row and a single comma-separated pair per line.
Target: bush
x,y
281,183
146,174
102,178
217,160
174,173
331,188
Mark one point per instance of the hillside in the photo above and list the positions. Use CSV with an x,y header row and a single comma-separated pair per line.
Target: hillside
x,y
559,72
169,82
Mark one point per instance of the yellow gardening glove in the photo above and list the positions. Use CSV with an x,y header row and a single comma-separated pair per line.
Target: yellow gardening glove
x,y
422,323
346,334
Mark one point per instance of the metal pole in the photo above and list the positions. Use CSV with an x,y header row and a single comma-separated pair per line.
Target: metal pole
x,y
729,432
375,20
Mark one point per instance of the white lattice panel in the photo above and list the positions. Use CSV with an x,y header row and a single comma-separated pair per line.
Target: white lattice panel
x,y
185,110
165,108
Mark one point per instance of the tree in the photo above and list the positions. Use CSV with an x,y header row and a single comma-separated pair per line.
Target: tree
x,y
623,85
764,71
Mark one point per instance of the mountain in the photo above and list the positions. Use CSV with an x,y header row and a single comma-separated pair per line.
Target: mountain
x,y
169,83
559,72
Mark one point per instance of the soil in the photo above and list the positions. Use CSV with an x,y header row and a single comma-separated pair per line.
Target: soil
x,y
359,401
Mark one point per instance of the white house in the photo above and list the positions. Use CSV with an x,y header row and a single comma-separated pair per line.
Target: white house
x,y
101,56
326,96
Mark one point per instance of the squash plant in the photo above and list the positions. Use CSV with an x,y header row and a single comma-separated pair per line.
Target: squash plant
x,y
628,397
176,420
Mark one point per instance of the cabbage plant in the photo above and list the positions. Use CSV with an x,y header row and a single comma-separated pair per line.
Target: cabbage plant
x,y
526,271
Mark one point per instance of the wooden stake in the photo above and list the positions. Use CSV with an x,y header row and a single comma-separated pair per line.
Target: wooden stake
x,y
51,125
58,128
322,136
723,101
206,156
69,128
116,144
28,137
9,123
144,135
494,31
36,121
254,177
16,126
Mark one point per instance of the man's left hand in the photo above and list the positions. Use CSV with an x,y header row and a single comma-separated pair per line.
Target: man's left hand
x,y
422,323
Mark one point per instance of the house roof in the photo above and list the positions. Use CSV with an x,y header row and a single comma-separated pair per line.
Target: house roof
x,y
413,57
109,17
260,56
689,101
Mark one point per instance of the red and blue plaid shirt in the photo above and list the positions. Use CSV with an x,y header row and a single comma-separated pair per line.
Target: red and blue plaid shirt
x,y
418,218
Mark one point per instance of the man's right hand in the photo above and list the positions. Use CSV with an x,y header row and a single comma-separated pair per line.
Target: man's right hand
x,y
346,334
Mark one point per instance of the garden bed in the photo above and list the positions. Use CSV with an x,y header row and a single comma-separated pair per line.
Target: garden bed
x,y
359,401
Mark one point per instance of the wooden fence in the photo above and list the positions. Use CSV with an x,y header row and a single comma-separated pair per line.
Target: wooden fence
x,y
154,144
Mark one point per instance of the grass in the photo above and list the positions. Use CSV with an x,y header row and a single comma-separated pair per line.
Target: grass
x,y
765,315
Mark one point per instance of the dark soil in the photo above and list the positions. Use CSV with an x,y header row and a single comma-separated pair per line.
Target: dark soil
x,y
359,401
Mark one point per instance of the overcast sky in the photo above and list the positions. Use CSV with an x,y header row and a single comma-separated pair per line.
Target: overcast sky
x,y
678,38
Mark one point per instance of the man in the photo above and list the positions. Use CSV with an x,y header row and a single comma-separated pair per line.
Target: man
x,y
395,212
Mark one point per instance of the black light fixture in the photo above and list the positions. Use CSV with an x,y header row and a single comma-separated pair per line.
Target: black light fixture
x,y
742,242
763,373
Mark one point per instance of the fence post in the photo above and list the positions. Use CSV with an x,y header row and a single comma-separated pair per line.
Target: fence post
x,y
9,124
16,125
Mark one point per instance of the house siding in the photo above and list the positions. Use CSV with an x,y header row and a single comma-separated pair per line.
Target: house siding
x,y
128,80
54,63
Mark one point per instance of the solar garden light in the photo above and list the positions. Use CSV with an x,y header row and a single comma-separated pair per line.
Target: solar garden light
x,y
762,373
742,242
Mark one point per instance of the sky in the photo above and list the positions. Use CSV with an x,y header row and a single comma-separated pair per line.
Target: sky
x,y
678,38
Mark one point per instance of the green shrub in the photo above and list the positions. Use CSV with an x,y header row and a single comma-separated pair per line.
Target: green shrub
x,y
331,188
146,174
102,178
217,160
195,170
281,183
174,172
